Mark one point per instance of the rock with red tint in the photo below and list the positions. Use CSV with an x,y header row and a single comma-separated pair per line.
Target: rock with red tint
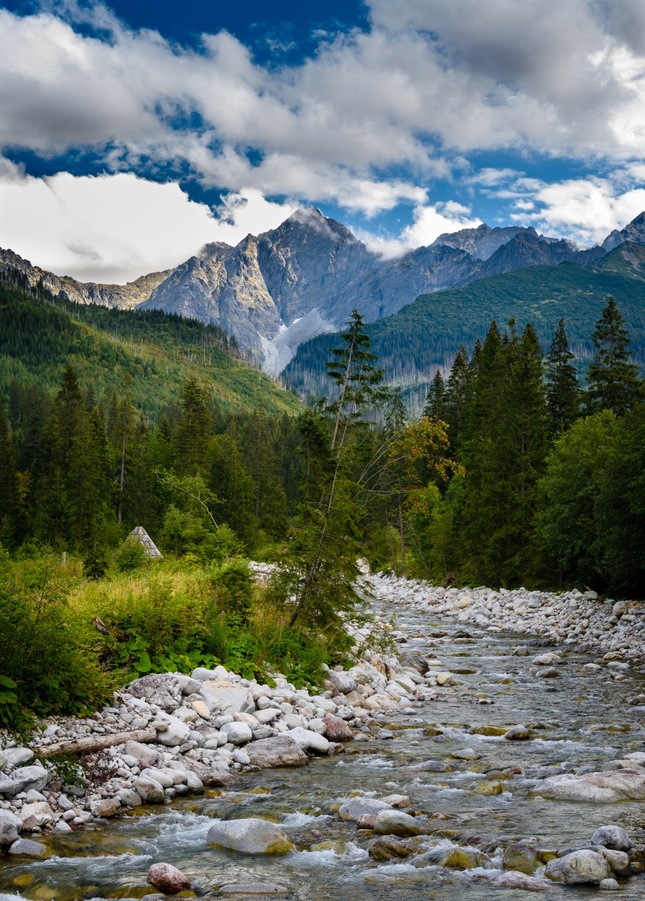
x,y
337,729
167,878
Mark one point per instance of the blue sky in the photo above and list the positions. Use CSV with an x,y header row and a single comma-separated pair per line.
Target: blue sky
x,y
132,133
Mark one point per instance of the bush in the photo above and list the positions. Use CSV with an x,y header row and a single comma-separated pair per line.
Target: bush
x,y
47,653
130,556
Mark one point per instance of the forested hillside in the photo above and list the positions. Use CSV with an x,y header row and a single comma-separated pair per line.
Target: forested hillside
x,y
39,337
427,334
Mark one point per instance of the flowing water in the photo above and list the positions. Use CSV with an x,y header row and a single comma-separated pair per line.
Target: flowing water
x,y
580,719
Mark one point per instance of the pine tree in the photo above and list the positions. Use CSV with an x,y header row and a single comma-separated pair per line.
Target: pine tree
x,y
435,407
9,505
613,380
457,395
562,387
194,431
504,457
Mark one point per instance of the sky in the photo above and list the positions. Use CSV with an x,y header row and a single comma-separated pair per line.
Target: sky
x,y
132,133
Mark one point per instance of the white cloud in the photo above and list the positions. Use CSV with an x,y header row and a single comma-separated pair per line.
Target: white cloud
x,y
114,228
430,221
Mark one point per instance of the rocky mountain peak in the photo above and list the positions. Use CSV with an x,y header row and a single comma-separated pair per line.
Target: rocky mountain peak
x,y
634,231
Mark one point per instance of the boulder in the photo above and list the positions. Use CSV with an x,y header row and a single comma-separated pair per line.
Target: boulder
x,y
521,881
337,729
37,814
415,660
281,750
249,836
26,848
619,785
341,682
354,808
24,778
106,807
388,848
162,689
237,733
309,740
521,858
613,837
142,753
168,878
395,822
10,826
148,789
16,757
578,868
175,733
226,697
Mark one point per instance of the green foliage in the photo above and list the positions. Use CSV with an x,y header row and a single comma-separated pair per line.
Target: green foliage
x,y
39,338
47,662
562,388
418,339
613,379
130,556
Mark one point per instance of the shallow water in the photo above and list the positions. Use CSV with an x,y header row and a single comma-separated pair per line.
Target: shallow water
x,y
580,718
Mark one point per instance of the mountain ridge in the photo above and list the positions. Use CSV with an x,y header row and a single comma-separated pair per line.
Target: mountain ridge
x,y
282,287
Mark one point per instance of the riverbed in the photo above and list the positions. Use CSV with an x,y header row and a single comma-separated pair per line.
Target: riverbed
x,y
476,789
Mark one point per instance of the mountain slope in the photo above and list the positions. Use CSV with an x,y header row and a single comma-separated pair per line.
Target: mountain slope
x,y
14,268
426,334
38,338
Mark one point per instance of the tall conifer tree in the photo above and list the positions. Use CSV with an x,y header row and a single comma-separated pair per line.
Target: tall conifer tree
x,y
562,386
613,380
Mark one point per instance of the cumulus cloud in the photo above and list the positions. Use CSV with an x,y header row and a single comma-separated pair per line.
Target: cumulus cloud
x,y
430,221
114,228
367,123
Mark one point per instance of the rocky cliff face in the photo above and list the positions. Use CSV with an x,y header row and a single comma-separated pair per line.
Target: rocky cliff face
x,y
277,290
15,268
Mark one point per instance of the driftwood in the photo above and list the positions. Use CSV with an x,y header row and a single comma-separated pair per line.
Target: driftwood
x,y
95,742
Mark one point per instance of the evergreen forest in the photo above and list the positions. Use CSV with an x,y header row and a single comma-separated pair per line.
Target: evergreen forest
x,y
514,475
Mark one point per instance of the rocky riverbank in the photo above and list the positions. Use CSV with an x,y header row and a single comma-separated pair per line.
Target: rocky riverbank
x,y
172,735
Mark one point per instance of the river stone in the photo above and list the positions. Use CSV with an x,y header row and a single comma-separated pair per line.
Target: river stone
x,y
608,885
337,729
10,826
281,750
175,733
162,689
354,808
250,836
253,888
106,807
142,753
521,881
388,848
227,697
396,822
237,733
16,756
342,683
415,660
27,848
37,814
621,785
613,837
309,740
168,878
618,861
129,798
24,778
521,858
149,790
518,733
462,859
578,868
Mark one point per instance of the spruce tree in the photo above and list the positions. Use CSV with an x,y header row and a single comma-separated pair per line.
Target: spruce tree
x,y
613,380
458,390
562,386
194,431
9,505
435,407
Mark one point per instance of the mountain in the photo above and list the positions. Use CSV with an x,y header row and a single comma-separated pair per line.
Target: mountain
x,y
306,276
276,290
40,336
15,269
425,335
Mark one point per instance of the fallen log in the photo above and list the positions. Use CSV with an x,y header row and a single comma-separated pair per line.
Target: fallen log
x,y
94,743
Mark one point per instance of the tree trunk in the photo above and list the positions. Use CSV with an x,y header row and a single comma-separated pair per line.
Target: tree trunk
x,y
95,742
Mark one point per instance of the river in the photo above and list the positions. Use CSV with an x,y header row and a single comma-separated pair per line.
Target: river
x,y
476,789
